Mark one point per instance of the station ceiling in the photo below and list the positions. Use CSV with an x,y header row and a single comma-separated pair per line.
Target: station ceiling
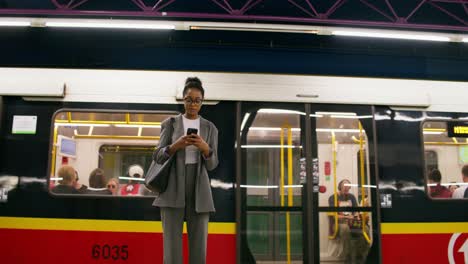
x,y
432,15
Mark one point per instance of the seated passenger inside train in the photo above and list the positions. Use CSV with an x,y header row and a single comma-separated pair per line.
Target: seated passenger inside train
x,y
81,188
346,240
134,187
67,181
97,183
453,186
436,190
113,186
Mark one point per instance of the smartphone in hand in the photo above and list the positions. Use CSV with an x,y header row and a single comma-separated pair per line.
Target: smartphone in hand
x,y
192,131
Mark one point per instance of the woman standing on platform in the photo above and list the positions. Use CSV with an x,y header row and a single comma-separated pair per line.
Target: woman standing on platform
x,y
194,142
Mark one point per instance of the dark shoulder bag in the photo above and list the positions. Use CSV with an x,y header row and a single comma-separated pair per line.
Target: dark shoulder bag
x,y
157,176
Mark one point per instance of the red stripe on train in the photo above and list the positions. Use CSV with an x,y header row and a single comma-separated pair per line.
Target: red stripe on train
x,y
78,247
422,248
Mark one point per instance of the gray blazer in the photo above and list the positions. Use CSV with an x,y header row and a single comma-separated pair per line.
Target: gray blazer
x,y
174,196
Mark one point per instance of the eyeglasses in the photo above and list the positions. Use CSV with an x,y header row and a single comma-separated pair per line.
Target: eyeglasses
x,y
189,101
111,186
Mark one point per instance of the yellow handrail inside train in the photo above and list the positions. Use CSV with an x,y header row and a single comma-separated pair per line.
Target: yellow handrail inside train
x,y
363,182
91,122
335,194
290,168
282,167
108,122
54,151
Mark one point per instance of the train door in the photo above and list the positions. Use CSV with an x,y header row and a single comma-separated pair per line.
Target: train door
x,y
307,188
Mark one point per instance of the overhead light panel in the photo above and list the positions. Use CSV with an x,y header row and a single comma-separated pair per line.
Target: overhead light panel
x,y
138,126
14,23
255,27
109,24
391,35
270,28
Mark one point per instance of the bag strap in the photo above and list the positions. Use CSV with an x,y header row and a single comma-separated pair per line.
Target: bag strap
x,y
172,119
465,195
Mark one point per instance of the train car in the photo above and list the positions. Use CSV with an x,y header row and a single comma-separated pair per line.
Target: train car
x,y
288,145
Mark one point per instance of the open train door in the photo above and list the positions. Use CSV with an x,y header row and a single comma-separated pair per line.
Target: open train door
x,y
307,184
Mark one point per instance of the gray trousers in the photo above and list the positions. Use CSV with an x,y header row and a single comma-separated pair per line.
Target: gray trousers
x,y
197,226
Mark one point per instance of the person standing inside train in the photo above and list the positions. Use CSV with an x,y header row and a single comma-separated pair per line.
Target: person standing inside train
x,y
188,191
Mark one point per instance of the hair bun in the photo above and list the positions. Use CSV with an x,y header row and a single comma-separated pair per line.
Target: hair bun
x,y
193,80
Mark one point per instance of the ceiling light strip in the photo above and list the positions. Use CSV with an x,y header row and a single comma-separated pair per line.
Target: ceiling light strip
x,y
108,24
376,34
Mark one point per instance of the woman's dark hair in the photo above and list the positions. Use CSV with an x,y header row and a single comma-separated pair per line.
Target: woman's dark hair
x,y
435,175
97,179
193,82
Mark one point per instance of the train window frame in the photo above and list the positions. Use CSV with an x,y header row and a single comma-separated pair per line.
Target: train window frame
x,y
94,110
423,153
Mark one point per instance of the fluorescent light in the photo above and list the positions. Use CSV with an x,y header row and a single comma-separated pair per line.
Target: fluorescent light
x,y
337,113
408,36
13,23
465,39
109,24
138,126
292,186
441,117
351,117
433,132
269,146
449,184
279,111
295,129
131,178
56,178
356,185
79,124
260,186
283,111
342,130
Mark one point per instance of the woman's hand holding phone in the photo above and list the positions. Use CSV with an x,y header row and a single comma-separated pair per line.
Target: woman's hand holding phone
x,y
198,142
180,143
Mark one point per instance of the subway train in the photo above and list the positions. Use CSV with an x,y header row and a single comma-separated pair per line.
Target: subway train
x,y
288,144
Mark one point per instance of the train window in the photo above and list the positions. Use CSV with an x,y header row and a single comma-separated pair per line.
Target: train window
x,y
344,172
103,153
273,189
273,152
446,157
342,151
